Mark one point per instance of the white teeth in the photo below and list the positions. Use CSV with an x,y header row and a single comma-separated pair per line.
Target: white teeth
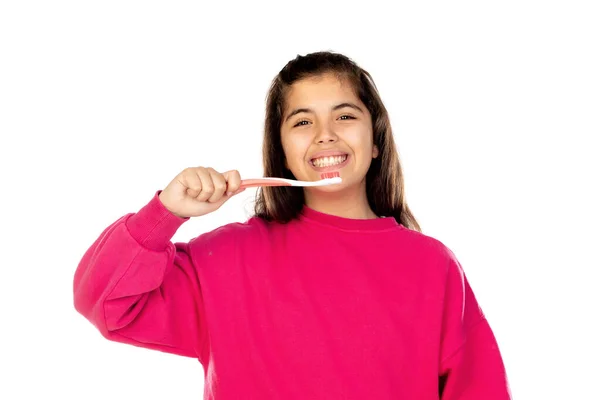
x,y
328,161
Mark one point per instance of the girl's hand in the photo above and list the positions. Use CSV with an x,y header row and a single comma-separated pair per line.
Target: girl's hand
x,y
198,191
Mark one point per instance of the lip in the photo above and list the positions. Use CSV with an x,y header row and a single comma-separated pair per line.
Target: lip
x,y
332,167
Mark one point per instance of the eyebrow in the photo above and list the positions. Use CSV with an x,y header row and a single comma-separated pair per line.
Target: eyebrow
x,y
335,108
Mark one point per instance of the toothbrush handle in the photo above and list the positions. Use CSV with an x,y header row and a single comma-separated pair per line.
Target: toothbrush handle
x,y
246,183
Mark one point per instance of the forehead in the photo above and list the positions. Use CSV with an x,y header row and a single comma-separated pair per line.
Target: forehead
x,y
324,89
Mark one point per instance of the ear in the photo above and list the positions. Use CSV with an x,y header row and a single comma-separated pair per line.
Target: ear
x,y
375,151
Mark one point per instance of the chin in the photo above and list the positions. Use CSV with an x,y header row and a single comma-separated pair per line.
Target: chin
x,y
330,188
327,189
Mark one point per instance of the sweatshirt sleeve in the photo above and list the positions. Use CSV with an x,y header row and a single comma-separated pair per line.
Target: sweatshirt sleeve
x,y
471,366
137,287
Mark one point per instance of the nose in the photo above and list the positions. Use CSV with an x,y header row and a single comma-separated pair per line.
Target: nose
x,y
325,134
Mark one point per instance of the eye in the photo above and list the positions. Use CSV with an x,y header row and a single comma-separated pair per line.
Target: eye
x,y
300,123
347,117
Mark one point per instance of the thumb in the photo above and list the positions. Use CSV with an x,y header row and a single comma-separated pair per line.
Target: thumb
x,y
226,197
240,190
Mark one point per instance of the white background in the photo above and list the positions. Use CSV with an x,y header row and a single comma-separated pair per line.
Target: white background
x,y
495,108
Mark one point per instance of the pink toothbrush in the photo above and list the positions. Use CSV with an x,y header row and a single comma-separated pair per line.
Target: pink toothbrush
x,y
330,178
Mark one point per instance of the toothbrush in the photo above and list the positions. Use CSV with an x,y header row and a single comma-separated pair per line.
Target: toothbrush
x,y
330,178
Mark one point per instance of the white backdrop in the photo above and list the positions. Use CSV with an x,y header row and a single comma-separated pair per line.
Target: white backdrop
x,y
495,106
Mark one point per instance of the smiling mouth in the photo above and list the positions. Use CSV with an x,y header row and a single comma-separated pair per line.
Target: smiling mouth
x,y
329,161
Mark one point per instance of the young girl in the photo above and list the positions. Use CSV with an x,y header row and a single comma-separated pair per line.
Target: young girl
x,y
326,293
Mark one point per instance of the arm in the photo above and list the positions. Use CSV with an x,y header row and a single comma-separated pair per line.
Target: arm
x,y
139,288
471,366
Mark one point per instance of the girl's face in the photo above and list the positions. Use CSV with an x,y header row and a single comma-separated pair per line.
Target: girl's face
x,y
326,128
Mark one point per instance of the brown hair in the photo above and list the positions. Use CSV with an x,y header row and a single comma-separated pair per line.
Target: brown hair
x,y
385,181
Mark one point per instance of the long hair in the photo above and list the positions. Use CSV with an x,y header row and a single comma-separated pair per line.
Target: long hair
x,y
385,181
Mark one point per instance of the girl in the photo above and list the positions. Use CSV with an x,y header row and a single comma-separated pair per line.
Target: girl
x,y
326,293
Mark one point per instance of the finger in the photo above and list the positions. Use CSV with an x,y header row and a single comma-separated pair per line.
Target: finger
x,y
207,185
192,182
219,184
233,182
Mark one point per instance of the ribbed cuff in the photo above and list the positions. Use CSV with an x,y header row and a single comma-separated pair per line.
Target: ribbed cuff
x,y
153,226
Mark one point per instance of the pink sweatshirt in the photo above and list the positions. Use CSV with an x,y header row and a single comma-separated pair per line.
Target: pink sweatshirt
x,y
323,307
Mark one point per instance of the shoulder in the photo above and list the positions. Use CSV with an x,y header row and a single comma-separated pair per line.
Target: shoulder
x,y
233,242
233,230
251,232
424,245
437,261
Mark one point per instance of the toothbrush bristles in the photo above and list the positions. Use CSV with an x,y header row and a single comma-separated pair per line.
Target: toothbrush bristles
x,y
327,175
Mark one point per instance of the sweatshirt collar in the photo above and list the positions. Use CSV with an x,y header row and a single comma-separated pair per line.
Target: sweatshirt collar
x,y
376,224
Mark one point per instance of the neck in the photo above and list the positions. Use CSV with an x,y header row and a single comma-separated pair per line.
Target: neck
x,y
350,203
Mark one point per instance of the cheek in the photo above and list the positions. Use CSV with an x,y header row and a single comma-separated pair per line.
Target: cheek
x,y
293,150
361,141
